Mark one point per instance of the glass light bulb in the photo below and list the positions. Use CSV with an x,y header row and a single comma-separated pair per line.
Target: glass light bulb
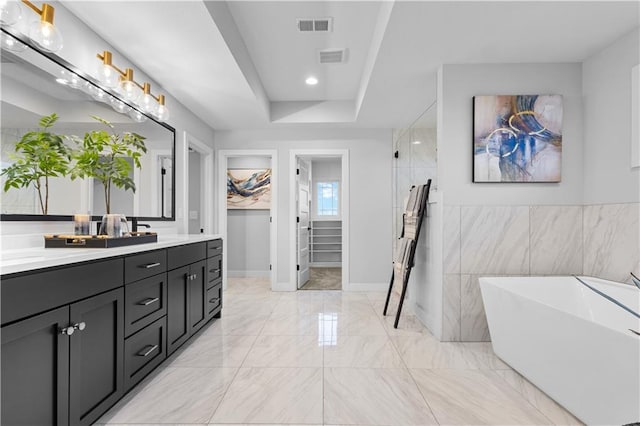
x,y
148,103
46,36
137,116
98,94
9,12
130,90
162,113
108,76
118,105
12,44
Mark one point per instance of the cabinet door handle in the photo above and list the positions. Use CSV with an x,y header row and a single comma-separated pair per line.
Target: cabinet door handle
x,y
146,351
214,270
80,326
194,276
147,302
67,331
214,300
150,265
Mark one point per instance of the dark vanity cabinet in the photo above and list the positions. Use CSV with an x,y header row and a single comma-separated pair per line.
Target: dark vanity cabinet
x,y
64,365
76,338
188,282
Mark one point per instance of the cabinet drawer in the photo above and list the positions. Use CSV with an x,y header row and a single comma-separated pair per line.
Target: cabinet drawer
x,y
214,300
214,248
31,294
144,265
144,351
184,255
214,270
145,302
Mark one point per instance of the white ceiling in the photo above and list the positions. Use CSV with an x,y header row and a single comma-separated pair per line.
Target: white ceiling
x,y
243,64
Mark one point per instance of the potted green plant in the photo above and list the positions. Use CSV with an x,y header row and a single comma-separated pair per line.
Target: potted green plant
x,y
103,154
40,155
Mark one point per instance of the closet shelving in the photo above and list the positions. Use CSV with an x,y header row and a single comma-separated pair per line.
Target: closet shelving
x,y
326,242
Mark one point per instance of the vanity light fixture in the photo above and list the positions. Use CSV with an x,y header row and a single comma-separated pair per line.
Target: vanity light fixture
x,y
107,73
43,32
112,76
9,12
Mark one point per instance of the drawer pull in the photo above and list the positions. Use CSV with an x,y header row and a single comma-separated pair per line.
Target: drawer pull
x,y
150,265
147,302
214,300
214,270
147,350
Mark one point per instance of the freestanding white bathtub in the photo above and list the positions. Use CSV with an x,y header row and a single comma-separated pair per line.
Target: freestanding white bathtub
x,y
570,342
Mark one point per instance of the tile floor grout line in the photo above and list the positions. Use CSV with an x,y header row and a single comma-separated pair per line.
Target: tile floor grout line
x,y
413,378
236,374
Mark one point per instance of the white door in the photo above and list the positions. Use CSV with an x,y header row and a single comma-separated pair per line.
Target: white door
x,y
302,228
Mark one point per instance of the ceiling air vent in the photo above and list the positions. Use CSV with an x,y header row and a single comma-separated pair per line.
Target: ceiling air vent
x,y
312,25
332,56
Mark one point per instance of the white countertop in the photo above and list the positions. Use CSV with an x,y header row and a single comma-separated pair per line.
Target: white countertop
x,y
29,259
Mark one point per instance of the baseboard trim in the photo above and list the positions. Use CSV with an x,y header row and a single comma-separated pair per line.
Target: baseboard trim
x,y
282,287
326,264
366,287
249,274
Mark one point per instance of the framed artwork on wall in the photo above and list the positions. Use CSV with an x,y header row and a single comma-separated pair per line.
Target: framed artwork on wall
x,y
517,138
249,189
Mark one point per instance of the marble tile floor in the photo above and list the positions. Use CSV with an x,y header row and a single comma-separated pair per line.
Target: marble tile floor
x,y
327,357
321,278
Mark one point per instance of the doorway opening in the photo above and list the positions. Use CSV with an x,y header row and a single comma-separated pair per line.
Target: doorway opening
x,y
247,214
319,194
198,173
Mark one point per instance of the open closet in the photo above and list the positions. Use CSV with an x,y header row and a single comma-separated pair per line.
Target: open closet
x,y
324,224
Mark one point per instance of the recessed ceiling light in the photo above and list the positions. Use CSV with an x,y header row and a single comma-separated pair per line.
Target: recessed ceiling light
x,y
311,81
416,142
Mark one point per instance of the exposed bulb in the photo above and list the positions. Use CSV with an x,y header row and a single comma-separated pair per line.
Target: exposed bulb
x,y
162,113
118,105
137,116
108,76
130,90
98,94
148,103
46,36
9,12
12,44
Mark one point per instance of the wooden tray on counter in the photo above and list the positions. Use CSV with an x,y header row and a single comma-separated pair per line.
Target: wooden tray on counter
x,y
98,241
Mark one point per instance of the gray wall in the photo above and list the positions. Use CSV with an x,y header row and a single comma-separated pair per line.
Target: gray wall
x,y
194,192
459,84
370,158
606,85
248,230
538,229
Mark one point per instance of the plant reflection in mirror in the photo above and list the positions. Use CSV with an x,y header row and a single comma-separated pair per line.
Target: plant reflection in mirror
x,y
40,155
104,154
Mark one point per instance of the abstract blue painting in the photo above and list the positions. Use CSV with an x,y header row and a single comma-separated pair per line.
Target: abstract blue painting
x,y
517,138
248,189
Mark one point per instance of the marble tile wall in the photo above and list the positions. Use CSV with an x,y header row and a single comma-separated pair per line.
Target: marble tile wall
x,y
612,241
598,240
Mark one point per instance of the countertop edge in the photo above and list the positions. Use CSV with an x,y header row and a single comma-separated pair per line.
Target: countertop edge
x,y
36,258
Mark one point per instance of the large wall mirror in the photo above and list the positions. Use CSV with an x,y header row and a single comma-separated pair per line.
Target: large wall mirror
x,y
36,84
